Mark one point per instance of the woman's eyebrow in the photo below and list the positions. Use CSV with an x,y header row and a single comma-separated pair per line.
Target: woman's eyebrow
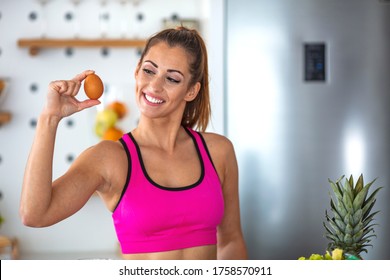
x,y
169,70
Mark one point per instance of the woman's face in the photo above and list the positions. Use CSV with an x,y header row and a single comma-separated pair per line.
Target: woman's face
x,y
162,82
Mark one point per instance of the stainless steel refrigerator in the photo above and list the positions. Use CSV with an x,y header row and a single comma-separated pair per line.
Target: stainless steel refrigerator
x,y
307,100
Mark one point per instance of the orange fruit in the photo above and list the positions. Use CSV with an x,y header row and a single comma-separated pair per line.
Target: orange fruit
x,y
119,108
93,86
112,133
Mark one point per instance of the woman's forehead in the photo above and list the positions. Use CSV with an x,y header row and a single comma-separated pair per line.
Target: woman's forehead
x,y
167,56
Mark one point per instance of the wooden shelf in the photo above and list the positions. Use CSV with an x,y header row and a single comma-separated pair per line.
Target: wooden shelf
x,y
5,117
34,45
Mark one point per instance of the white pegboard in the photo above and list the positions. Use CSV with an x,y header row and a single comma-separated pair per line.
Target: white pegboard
x,y
90,229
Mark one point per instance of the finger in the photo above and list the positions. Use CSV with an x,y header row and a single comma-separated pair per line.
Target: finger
x,y
59,86
87,104
73,87
62,87
80,77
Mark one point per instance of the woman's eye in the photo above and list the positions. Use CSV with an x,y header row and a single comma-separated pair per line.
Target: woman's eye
x,y
147,71
173,80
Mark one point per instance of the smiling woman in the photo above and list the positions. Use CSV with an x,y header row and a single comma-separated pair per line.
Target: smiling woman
x,y
163,82
172,190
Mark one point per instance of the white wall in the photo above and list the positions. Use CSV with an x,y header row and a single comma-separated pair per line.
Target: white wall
x,y
90,229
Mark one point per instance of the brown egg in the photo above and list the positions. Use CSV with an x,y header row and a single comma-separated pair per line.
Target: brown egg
x,y
93,86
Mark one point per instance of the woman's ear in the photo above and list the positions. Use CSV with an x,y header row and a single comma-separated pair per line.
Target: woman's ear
x,y
193,92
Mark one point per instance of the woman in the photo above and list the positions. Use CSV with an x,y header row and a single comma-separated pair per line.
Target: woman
x,y
173,192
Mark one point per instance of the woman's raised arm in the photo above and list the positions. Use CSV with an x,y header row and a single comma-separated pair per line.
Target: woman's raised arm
x,y
40,204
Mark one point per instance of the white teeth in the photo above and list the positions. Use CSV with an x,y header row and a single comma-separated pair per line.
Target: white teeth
x,y
153,100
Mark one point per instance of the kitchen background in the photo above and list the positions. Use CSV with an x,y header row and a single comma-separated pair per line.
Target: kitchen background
x,y
290,134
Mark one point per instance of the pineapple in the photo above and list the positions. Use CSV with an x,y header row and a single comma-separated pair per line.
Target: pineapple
x,y
350,228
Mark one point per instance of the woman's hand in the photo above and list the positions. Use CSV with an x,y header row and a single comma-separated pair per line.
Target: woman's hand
x,y
61,97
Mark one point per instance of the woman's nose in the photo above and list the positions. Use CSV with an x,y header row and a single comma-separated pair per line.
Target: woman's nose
x,y
157,83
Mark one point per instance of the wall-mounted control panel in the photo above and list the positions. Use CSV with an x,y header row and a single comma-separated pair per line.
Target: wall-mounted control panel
x,y
315,62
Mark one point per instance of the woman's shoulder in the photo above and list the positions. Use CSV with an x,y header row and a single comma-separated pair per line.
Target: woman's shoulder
x,y
217,142
104,152
222,153
110,161
107,146
215,137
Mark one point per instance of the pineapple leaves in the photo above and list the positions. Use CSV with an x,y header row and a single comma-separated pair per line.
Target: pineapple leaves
x,y
357,217
336,190
367,220
351,227
348,239
361,196
348,202
358,236
350,181
348,192
339,214
359,184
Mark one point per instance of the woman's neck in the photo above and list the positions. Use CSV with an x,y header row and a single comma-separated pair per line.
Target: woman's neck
x,y
163,135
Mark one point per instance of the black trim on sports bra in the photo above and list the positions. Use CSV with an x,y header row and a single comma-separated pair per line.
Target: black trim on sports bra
x,y
207,150
128,172
168,188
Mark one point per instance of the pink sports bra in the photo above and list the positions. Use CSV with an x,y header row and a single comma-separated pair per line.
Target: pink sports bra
x,y
154,218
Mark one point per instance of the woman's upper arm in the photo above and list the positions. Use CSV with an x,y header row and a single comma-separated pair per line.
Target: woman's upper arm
x,y
231,243
230,228
73,189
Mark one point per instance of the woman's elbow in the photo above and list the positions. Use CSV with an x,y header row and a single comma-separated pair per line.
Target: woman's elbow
x,y
28,218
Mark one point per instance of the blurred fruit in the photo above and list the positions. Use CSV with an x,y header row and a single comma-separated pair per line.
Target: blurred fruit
x,y
113,133
2,85
337,254
119,107
104,120
93,86
100,129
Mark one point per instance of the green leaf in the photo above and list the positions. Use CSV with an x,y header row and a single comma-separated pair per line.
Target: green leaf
x,y
337,230
347,203
349,190
357,236
340,179
350,181
361,196
339,223
349,230
367,222
367,240
359,184
371,198
370,218
329,230
334,208
332,237
342,209
348,239
367,231
357,217
348,219
358,227
367,208
336,190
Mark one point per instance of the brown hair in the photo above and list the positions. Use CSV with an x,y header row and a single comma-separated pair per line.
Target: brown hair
x,y
197,112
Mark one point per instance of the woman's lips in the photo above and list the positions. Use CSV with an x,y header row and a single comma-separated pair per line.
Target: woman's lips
x,y
152,99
